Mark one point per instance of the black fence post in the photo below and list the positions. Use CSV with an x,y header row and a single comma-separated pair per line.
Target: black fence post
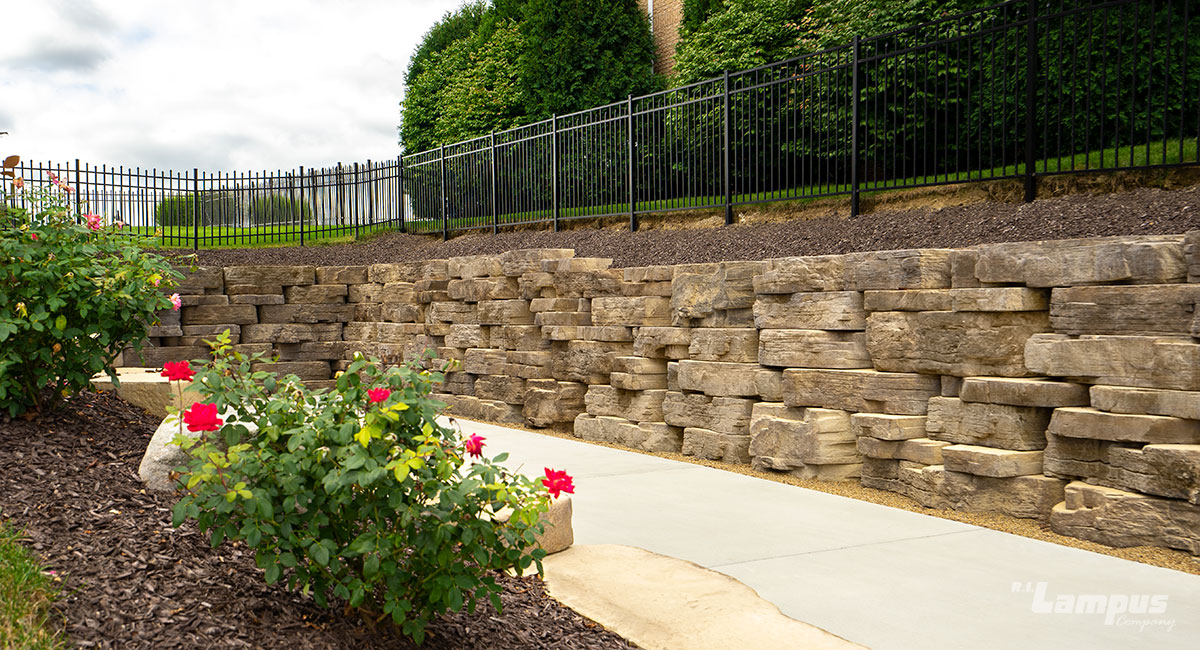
x,y
725,154
1030,100
554,167
195,208
633,223
78,189
301,208
442,170
370,194
495,213
400,189
355,204
854,99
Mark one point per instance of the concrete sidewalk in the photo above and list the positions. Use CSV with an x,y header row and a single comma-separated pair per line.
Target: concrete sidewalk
x,y
874,575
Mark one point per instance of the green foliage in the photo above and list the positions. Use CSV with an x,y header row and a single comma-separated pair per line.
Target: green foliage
x,y
363,502
175,211
71,298
743,34
584,53
26,595
279,209
695,12
482,91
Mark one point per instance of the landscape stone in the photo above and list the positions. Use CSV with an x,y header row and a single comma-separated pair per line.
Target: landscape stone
x,y
713,445
477,289
724,414
1027,497
291,333
631,311
888,427
1074,422
1150,401
1019,428
638,406
910,300
1119,518
1148,362
718,378
505,312
1140,259
662,342
1152,309
527,260
348,275
550,402
953,343
999,299
987,461
734,345
802,274
831,310
797,348
269,275
926,268
313,313
1023,392
783,438
219,314
860,391
316,293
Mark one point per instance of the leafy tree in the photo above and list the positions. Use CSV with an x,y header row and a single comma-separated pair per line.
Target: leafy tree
x,y
744,34
482,91
695,12
584,53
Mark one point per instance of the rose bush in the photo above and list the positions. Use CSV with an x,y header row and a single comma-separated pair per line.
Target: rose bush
x,y
357,494
73,294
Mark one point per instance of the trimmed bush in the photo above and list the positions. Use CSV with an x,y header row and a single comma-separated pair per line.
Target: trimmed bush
x,y
276,209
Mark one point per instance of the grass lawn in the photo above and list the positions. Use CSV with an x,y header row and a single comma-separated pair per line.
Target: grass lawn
x,y
25,596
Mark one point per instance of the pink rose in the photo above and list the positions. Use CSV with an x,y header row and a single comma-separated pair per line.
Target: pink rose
x,y
94,222
474,445
175,301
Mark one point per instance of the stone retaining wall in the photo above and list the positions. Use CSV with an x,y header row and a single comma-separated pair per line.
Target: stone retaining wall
x,y
1050,380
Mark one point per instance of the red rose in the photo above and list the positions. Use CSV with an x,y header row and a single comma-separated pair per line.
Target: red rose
x,y
202,417
177,371
378,394
474,445
557,482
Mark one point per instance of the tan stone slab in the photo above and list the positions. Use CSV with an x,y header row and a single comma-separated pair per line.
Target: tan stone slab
x,y
1191,250
830,310
270,275
715,445
348,275
659,273
953,343
723,414
453,312
147,389
910,300
662,342
1119,518
796,348
1027,497
558,318
219,314
627,381
1150,401
860,391
312,313
697,294
584,284
799,274
1164,470
548,402
922,451
1149,310
474,266
926,268
201,279
504,312
408,271
487,288
1023,392
785,438
639,406
1141,259
888,427
640,366
1147,362
1075,422
719,379
316,293
662,603
589,362
1020,428
734,345
631,311
527,260
999,299
987,461
291,333
304,370
576,264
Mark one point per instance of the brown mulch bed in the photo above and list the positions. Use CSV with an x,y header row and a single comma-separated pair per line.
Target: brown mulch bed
x,y
69,479
1144,211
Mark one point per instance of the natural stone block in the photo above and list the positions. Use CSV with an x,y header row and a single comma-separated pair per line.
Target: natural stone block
x,y
381,332
859,390
832,310
783,438
518,337
647,436
232,290
563,318
477,289
794,348
466,336
304,370
311,351
910,300
986,461
528,260
505,312
316,293
452,312
953,343
962,268
559,304
999,299
612,333
927,268
408,271
1192,254
662,342
307,313
626,381
191,300
1082,458
631,311
553,402
736,345
366,292
291,332
1076,422
205,279
713,445
502,388
536,285
1119,518
1020,428
1163,470
719,379
1023,392
1138,259
585,284
724,414
660,273
576,264
1027,497
270,275
699,294
801,274
951,386
219,314
922,451
341,275
1148,362
1155,309
589,362
257,299
479,361
639,406
474,266
1120,399
396,312
888,427
640,366
402,292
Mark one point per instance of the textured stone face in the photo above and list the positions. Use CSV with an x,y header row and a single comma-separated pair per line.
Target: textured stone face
x,y
639,406
348,275
713,445
800,274
219,315
1073,422
1120,399
789,348
648,436
203,279
723,414
1028,497
1023,392
1192,254
1149,362
549,402
735,345
662,342
922,451
784,438
631,311
832,310
927,268
270,275
986,461
589,362
701,294
1070,262
477,289
291,333
316,293
719,379
585,284
911,300
888,427
1119,518
953,343
505,312
307,313
999,299
526,260
860,391
1019,428
1156,309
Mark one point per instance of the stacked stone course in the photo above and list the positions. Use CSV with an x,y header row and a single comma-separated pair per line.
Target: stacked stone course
x,y
1057,380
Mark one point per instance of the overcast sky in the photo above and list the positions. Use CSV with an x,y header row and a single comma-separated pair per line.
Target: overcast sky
x,y
221,85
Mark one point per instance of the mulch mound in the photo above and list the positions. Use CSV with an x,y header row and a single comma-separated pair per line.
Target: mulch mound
x,y
69,479
1142,212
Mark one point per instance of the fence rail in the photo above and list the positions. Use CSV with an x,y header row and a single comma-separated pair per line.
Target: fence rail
x,y
1018,90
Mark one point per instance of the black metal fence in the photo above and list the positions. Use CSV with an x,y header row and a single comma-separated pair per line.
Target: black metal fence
x,y
1017,90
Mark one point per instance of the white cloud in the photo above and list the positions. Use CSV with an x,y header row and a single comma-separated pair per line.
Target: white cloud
x,y
217,84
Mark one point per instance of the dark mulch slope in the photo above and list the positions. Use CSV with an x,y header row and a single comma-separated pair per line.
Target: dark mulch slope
x,y
1145,211
132,581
